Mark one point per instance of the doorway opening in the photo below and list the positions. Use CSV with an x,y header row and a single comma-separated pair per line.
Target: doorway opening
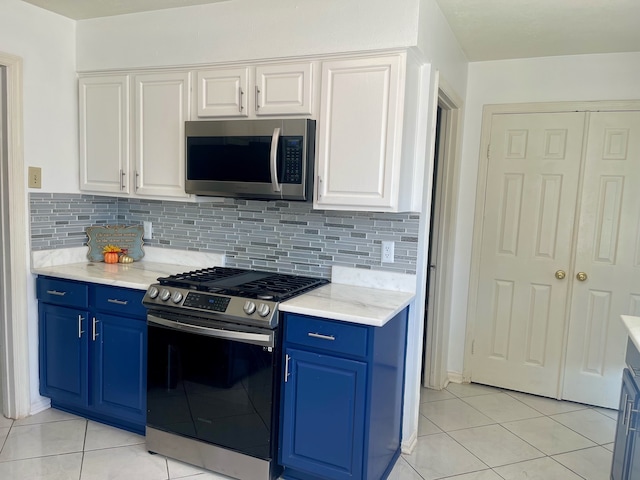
x,y
441,237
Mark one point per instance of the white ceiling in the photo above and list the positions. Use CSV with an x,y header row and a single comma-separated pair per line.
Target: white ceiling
x,y
486,29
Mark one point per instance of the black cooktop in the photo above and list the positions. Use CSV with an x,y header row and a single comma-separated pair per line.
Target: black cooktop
x,y
244,283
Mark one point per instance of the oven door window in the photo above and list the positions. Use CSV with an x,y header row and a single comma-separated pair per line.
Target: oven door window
x,y
214,390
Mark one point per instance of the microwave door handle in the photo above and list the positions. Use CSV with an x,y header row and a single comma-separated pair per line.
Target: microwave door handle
x,y
274,160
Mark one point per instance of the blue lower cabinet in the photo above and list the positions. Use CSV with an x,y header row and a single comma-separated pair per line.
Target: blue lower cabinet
x,y
342,393
119,365
64,354
323,420
626,447
93,360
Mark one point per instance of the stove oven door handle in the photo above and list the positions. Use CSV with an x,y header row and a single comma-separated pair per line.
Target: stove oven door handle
x,y
263,339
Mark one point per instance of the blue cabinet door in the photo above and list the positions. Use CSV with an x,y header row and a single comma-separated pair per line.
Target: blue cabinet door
x,y
63,354
323,415
624,445
119,365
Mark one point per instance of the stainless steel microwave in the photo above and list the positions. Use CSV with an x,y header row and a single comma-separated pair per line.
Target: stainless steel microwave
x,y
255,159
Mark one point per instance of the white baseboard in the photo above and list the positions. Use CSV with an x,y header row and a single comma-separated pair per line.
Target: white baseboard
x,y
40,406
408,444
455,377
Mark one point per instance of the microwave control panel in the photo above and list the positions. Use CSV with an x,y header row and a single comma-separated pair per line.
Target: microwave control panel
x,y
292,160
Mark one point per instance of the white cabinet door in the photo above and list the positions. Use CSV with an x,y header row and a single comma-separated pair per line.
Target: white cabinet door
x,y
104,133
161,106
284,89
359,134
222,92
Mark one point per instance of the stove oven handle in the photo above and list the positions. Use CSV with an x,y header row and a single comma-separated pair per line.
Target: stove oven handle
x,y
263,339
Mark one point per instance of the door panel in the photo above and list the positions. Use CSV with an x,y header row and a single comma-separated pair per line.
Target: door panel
x,y
608,252
532,186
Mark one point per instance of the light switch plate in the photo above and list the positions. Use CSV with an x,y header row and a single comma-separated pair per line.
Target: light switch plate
x,y
35,177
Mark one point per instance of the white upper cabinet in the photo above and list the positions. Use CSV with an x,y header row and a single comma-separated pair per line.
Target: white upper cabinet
x,y
222,92
146,126
104,134
283,89
161,106
269,90
360,164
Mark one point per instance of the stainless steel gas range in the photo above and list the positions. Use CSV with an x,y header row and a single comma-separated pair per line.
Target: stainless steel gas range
x,y
213,381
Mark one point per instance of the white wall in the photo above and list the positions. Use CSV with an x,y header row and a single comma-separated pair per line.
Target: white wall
x,y
550,79
46,44
244,30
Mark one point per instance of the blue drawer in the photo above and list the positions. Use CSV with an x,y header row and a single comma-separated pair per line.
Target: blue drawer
x,y
62,292
120,301
328,335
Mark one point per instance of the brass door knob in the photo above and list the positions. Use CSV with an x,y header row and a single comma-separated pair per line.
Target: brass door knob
x,y
560,274
581,276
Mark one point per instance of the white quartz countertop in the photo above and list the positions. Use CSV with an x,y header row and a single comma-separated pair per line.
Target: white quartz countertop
x,y
356,296
73,264
350,303
138,275
632,324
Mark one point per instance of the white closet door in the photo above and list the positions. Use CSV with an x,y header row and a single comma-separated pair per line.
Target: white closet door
x,y
608,253
531,193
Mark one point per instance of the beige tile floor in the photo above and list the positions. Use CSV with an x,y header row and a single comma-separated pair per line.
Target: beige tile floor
x,y
466,432
475,432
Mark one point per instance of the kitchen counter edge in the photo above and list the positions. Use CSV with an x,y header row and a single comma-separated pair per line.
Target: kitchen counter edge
x,y
350,303
632,324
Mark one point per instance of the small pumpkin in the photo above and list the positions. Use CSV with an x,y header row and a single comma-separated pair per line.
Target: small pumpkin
x,y
125,259
111,257
111,253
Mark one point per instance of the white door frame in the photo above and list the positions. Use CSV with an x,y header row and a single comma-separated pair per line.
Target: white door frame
x,y
437,328
487,113
14,346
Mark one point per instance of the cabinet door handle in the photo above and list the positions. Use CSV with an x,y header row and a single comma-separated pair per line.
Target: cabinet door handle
x,y
117,302
94,334
257,98
240,94
137,178
55,292
286,368
122,174
321,337
80,331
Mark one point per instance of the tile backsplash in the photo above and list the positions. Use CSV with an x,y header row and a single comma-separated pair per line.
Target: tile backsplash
x,y
282,236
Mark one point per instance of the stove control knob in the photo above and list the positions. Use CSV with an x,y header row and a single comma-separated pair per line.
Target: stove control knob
x,y
177,296
153,292
263,310
249,307
165,295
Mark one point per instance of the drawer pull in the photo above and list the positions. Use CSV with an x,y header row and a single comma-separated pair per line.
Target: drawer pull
x,y
55,292
117,302
321,337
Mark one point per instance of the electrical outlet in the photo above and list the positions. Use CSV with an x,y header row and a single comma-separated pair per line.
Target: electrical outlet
x,y
35,177
388,252
147,230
